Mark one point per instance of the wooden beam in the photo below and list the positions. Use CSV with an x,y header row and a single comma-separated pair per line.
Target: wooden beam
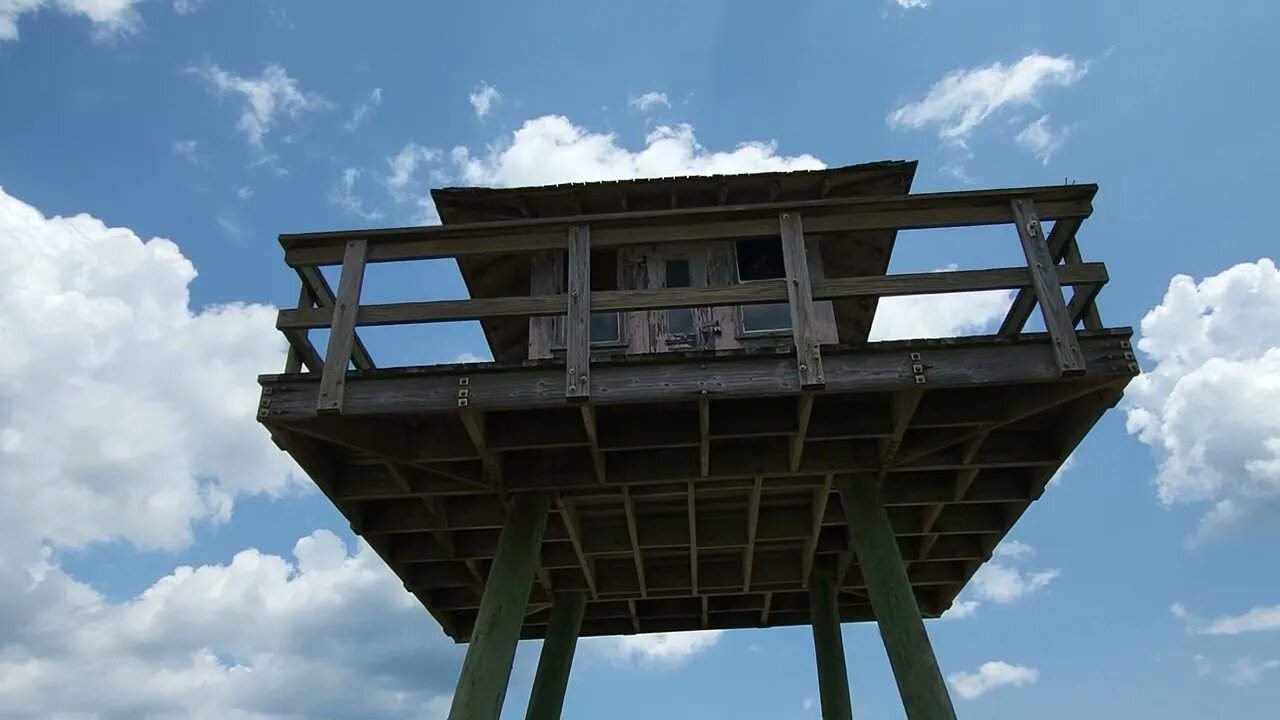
x,y
577,326
804,328
591,427
546,700
342,332
828,645
819,505
753,521
573,525
301,351
1060,236
629,509
322,297
1044,278
964,480
704,436
486,669
804,410
922,210
753,293
1083,304
920,683
764,612
693,537
901,410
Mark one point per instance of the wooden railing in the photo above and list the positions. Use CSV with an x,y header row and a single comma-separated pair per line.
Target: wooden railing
x,y
1040,282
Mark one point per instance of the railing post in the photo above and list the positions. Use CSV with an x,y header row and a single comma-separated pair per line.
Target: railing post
x,y
301,352
804,329
1082,305
342,332
577,329
1044,279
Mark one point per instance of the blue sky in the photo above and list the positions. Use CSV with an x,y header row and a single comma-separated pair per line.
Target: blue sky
x,y
164,560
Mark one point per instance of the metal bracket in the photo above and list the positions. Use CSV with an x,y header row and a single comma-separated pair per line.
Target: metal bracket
x,y
917,367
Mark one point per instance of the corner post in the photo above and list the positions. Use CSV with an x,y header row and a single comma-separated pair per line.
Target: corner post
x,y
915,667
342,333
828,646
804,329
556,660
486,670
577,330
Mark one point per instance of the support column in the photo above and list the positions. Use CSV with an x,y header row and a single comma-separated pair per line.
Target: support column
x,y
920,683
482,685
556,660
833,678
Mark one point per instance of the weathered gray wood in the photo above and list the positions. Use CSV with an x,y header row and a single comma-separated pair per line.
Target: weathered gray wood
x,y
547,298
1082,305
693,537
804,326
920,682
323,297
804,411
545,284
923,210
878,368
573,526
828,645
486,669
342,332
1063,232
556,660
301,351
819,503
577,324
629,510
753,522
825,311
1044,278
704,436
592,429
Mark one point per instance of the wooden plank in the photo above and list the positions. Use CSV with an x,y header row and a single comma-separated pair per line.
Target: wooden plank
x,y
342,332
545,283
629,510
804,320
1061,236
753,521
573,525
551,303
878,367
546,700
828,645
486,669
578,321
591,427
322,297
1044,277
920,683
804,410
924,210
704,436
819,504
693,537
301,351
1082,306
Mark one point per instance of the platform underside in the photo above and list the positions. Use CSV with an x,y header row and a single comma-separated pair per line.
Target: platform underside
x,y
696,491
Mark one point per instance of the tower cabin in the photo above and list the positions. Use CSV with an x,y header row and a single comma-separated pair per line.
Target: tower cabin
x,y
685,424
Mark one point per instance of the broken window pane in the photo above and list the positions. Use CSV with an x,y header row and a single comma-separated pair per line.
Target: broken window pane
x,y
761,259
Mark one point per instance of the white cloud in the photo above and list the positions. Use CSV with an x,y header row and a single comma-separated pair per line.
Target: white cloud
x,y
401,181
961,609
930,316
913,3
1244,671
1014,549
186,7
124,413
1041,139
1001,583
109,17
324,634
1207,405
483,98
345,198
469,357
655,650
551,149
364,110
962,100
231,227
991,675
271,94
244,192
648,100
185,149
1260,618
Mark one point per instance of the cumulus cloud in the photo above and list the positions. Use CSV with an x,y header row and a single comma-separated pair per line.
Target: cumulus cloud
x,y
1257,619
1206,405
325,633
345,197
991,675
124,412
364,110
961,609
962,100
108,17
403,183
1246,671
949,315
483,98
998,581
649,100
1041,139
265,98
654,650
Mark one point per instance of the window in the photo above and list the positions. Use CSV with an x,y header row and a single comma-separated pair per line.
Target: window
x,y
761,259
679,322
605,327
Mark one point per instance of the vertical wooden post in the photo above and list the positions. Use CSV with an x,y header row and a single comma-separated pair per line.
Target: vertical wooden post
x,y
482,685
342,333
828,646
804,327
556,660
299,339
577,331
920,683
1044,279
1082,305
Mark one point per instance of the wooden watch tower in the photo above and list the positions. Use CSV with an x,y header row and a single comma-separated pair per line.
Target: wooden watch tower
x,y
685,425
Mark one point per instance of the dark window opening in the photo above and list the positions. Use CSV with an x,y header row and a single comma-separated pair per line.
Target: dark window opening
x,y
761,259
606,326
679,322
